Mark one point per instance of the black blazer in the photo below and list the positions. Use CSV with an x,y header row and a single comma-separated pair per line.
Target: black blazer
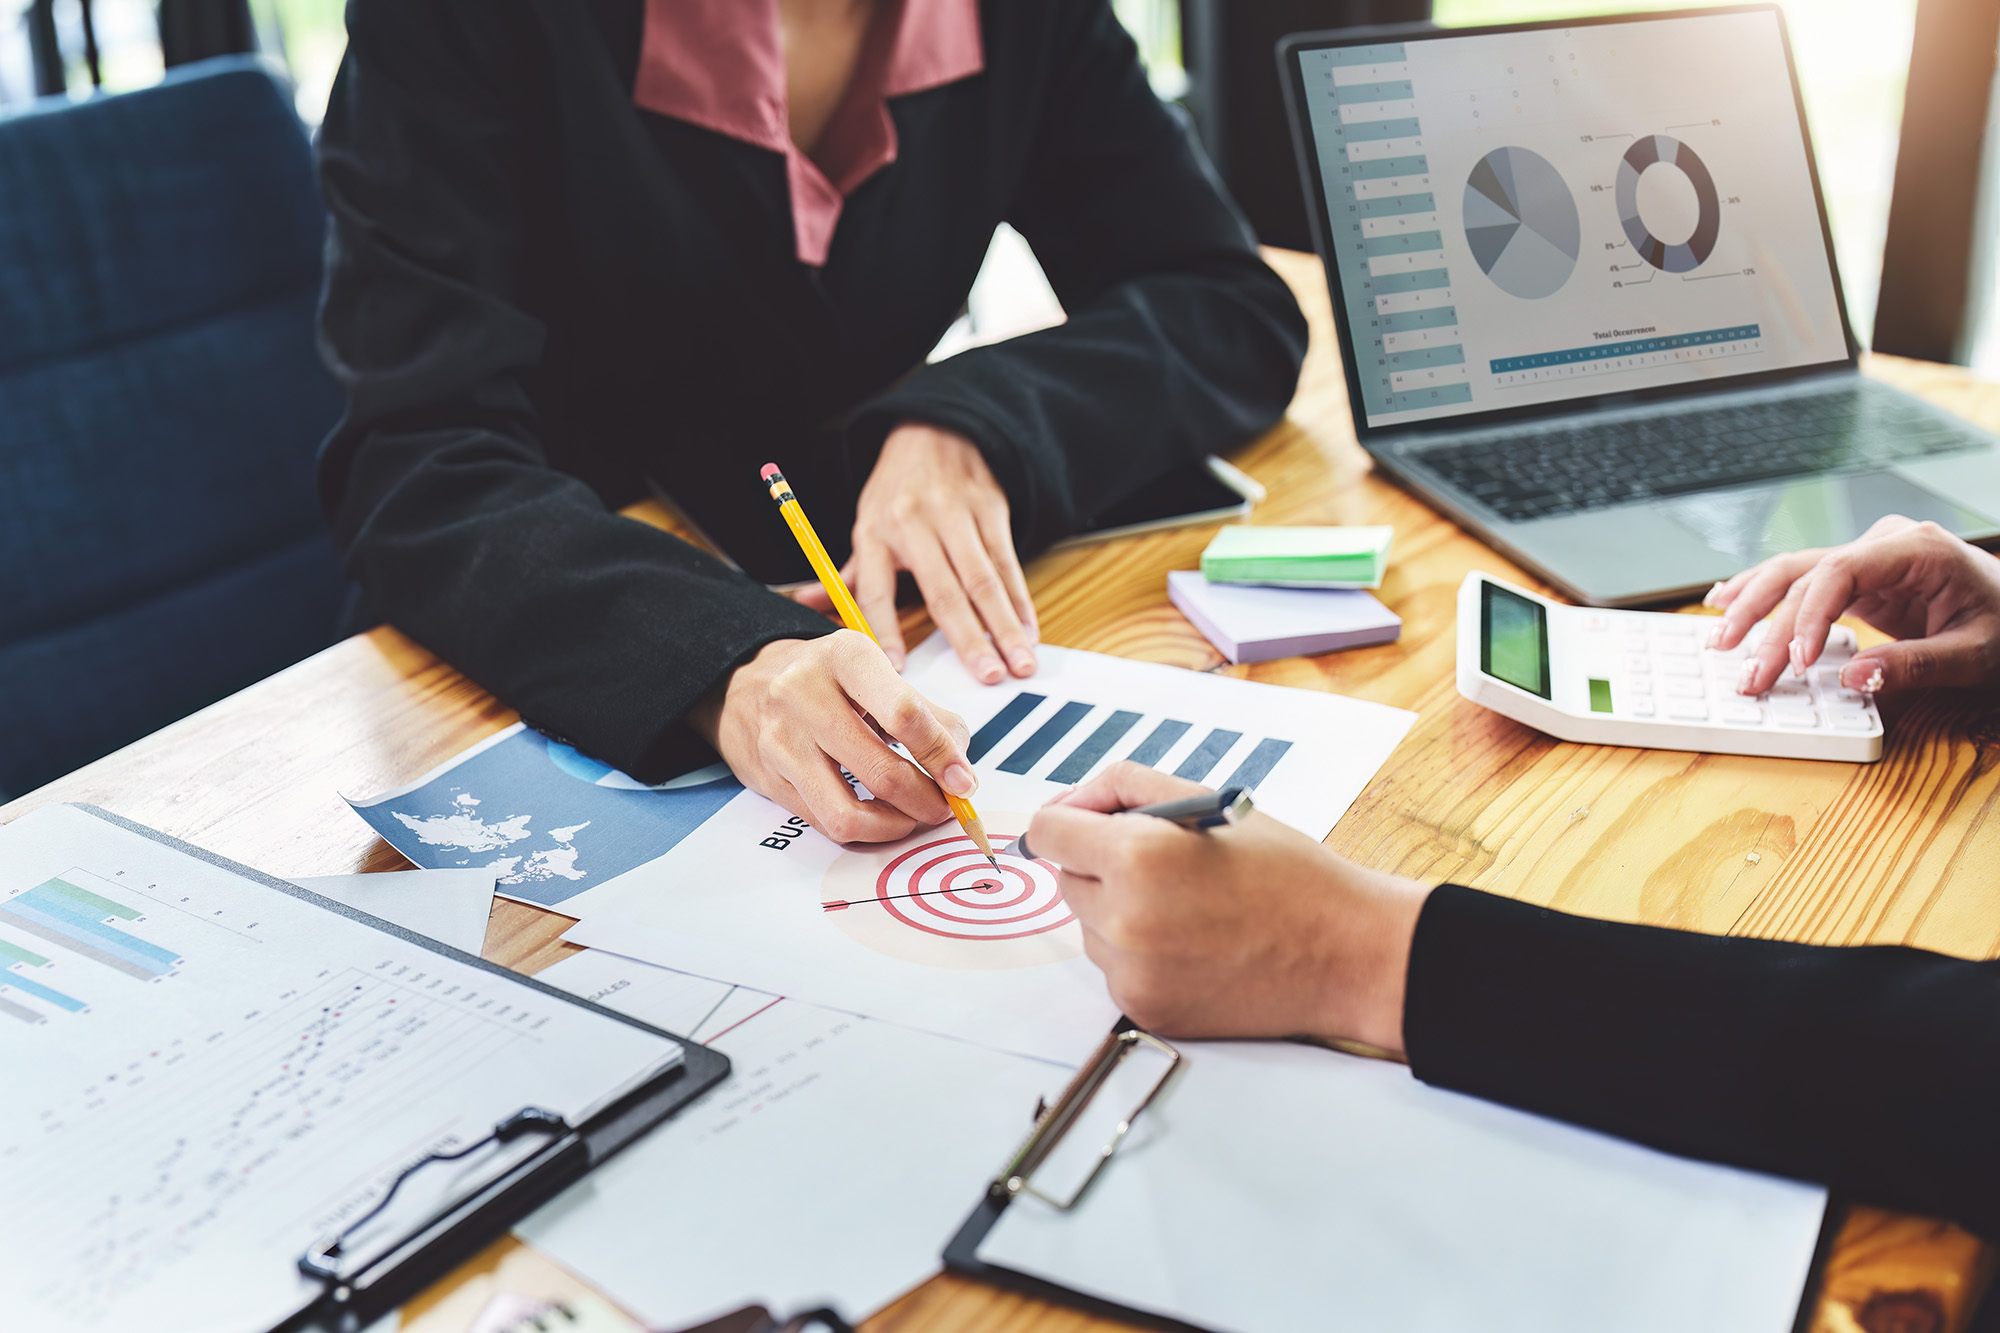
x,y
540,297
1875,1071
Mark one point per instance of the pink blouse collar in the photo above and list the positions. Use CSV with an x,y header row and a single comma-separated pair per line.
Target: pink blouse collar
x,y
718,64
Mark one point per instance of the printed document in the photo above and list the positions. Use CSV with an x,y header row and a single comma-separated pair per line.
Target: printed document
x,y
828,1167
205,1076
925,932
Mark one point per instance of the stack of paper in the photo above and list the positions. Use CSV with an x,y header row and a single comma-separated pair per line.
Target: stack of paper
x,y
932,999
1348,557
1259,624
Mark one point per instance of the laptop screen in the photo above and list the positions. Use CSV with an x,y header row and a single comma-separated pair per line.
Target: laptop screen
x,y
1519,218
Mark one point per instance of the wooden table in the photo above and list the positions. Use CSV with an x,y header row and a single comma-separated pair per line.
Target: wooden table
x,y
1903,851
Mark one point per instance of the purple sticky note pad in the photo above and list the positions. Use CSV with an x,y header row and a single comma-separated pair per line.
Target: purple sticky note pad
x,y
1252,624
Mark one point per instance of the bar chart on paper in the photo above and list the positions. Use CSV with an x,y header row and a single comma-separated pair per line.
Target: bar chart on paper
x,y
49,930
1305,754
925,931
1078,750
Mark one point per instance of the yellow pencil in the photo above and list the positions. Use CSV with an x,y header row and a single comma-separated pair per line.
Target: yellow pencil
x,y
850,616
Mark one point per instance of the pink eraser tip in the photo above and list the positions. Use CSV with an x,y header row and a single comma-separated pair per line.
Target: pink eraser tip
x,y
770,471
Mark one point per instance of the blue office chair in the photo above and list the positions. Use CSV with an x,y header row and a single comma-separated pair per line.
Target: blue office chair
x,y
161,401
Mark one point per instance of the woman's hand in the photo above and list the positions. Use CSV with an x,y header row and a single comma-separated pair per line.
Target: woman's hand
x,y
793,716
1937,595
1248,931
931,506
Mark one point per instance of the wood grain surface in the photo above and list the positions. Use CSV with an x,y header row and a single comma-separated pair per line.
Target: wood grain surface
x,y
1904,851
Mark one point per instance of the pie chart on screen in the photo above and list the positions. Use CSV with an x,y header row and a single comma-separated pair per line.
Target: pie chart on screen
x,y
1521,223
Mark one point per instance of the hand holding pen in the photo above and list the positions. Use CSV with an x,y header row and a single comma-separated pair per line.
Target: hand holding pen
x,y
1250,930
1209,809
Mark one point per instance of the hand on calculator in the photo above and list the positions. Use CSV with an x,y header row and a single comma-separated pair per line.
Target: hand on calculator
x,y
1938,596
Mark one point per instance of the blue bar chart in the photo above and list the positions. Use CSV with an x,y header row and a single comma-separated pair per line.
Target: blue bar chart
x,y
14,958
79,921
1064,741
1085,756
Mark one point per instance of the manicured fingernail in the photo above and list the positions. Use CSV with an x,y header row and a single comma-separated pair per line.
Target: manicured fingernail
x,y
959,781
1747,677
1798,655
1714,635
988,669
1024,662
897,659
1863,676
1708,598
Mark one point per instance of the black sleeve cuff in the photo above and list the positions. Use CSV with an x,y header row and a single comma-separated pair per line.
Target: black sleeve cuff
x,y
677,749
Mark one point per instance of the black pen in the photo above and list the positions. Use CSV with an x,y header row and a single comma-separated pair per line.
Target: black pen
x,y
1228,806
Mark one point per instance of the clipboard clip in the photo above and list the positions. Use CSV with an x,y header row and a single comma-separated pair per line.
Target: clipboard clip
x,y
323,1261
1053,1123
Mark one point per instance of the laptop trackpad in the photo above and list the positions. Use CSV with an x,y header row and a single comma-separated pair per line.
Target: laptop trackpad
x,y
1753,523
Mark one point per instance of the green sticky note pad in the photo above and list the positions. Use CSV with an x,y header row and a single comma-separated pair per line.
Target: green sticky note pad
x,y
1343,557
1600,696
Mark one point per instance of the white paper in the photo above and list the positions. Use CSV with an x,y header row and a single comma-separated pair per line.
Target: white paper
x,y
683,1004
449,906
746,897
1323,748
205,1075
1274,1187
829,1168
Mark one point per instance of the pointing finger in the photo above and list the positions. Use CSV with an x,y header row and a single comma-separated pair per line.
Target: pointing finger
x,y
973,565
950,607
875,594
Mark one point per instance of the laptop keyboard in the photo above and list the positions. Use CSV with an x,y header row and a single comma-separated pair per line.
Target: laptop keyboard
x,y
1574,468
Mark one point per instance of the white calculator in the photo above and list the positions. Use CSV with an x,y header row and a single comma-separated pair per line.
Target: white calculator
x,y
1644,678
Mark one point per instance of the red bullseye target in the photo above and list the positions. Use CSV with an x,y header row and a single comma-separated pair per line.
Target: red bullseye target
x,y
933,899
948,888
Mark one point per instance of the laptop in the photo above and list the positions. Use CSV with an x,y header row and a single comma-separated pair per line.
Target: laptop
x,y
1587,299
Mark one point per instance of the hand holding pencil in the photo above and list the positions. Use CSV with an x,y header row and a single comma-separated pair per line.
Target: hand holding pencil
x,y
800,710
955,791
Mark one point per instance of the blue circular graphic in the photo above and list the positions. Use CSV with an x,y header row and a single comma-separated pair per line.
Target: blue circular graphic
x,y
579,766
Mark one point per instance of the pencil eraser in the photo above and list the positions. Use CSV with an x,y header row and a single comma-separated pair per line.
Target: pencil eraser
x,y
770,471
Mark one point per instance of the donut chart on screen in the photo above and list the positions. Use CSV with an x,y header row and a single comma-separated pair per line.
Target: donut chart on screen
x,y
934,899
1662,150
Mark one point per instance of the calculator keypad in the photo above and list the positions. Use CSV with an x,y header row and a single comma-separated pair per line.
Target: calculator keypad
x,y
1659,668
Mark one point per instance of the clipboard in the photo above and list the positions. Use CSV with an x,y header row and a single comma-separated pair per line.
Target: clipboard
x,y
1051,1125
1803,1223
421,1253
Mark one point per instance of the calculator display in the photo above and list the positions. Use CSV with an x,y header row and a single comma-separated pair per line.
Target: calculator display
x,y
1514,639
